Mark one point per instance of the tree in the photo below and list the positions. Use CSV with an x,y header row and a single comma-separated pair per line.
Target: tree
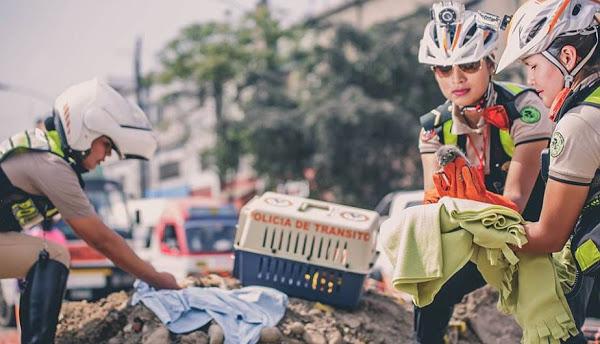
x,y
351,113
201,61
354,119
364,148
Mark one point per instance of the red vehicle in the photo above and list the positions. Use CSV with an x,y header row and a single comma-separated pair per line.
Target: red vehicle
x,y
194,236
93,276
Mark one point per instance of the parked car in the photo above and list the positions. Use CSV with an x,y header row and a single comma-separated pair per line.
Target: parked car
x,y
146,213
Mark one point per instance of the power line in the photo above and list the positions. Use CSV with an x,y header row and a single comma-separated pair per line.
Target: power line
x,y
25,92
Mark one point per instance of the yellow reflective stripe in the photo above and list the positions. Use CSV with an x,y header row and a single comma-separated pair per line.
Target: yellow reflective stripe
x,y
512,87
54,141
38,140
594,97
51,212
32,139
449,138
507,142
20,140
587,255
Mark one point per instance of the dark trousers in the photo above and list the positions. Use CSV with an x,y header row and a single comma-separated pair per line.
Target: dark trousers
x,y
578,299
430,322
580,296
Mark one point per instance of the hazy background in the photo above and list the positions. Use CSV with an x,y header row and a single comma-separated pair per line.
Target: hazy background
x,y
49,45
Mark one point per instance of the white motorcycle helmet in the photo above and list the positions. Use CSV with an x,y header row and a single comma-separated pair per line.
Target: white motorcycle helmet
x,y
537,24
457,36
92,109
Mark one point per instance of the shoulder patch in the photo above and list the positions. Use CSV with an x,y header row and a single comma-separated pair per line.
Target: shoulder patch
x,y
530,114
428,135
556,144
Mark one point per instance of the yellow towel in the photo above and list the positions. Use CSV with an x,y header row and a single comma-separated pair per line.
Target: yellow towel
x,y
428,244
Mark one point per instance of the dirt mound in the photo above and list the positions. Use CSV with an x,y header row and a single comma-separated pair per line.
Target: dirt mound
x,y
379,319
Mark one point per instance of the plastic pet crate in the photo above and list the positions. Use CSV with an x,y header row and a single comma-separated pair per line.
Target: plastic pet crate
x,y
305,248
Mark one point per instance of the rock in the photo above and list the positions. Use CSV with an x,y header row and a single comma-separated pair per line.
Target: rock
x,y
478,309
334,337
352,322
196,337
314,312
122,306
128,328
270,335
159,336
314,337
114,341
296,328
216,334
137,325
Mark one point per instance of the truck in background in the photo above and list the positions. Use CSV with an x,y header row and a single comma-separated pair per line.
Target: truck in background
x,y
193,236
146,213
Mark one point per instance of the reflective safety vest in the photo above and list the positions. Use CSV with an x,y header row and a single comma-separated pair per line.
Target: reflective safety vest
x,y
19,209
502,146
585,241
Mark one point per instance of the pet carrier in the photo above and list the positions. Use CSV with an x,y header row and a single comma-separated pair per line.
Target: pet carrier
x,y
309,249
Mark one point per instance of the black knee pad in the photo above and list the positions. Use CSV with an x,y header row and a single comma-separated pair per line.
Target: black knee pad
x,y
42,299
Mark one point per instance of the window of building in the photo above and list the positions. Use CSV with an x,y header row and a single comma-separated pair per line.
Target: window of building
x,y
169,170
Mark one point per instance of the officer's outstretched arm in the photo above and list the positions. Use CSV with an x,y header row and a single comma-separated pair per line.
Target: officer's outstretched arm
x,y
93,231
523,172
562,206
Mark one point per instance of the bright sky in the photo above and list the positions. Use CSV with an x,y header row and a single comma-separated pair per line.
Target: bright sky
x,y
48,45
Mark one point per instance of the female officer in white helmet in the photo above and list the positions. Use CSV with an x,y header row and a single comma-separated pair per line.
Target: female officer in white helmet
x,y
502,128
558,41
40,176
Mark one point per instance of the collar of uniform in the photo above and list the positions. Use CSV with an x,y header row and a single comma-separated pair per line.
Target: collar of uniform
x,y
587,80
461,127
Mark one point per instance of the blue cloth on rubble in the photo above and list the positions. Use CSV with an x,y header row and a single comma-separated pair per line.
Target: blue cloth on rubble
x,y
242,313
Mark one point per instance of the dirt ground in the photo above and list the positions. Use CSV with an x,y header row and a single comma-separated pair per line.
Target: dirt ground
x,y
379,318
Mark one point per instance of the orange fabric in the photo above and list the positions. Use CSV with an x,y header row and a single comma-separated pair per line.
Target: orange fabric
x,y
459,180
496,115
558,102
557,14
431,196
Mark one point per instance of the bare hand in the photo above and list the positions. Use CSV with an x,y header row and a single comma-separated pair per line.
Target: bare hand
x,y
164,280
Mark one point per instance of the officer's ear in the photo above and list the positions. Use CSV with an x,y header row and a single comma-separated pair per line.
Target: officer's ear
x,y
568,57
491,65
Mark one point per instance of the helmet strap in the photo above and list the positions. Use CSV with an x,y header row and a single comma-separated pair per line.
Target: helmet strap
x,y
569,76
489,98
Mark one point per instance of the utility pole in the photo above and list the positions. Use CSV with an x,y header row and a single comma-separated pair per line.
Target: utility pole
x,y
141,95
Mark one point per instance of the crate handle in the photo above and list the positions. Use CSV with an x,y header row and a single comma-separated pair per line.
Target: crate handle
x,y
306,205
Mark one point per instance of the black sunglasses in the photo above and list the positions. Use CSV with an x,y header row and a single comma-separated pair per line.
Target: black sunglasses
x,y
468,68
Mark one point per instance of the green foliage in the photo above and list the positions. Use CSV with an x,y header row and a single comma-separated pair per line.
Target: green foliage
x,y
361,146
354,117
201,61
348,109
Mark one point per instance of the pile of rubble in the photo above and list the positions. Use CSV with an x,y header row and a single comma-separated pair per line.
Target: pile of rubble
x,y
378,319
